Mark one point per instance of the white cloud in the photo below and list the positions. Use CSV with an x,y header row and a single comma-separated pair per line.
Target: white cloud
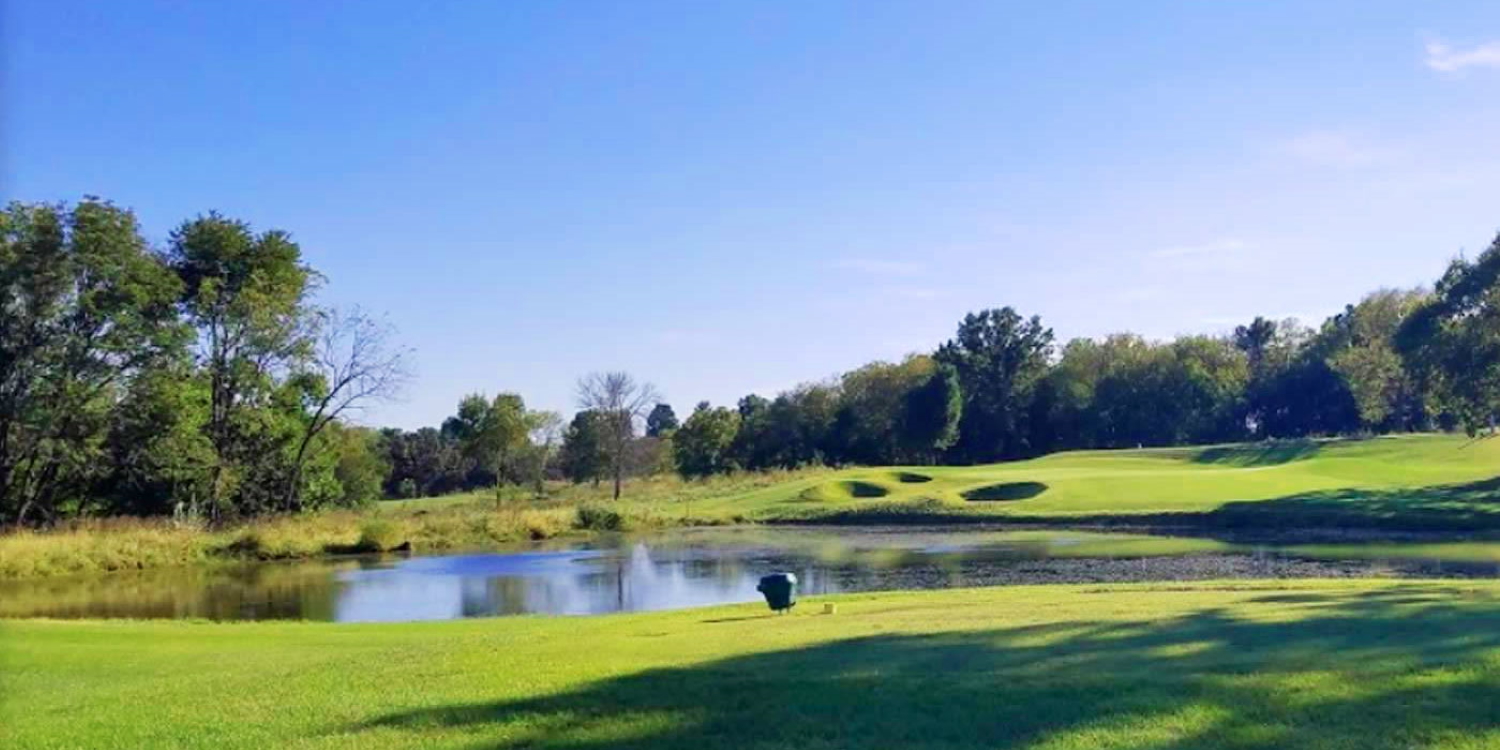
x,y
879,267
1333,149
1223,246
1445,59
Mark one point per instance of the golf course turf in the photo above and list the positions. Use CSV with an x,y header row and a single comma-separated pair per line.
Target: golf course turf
x,y
1305,664
1410,482
1165,666
1426,483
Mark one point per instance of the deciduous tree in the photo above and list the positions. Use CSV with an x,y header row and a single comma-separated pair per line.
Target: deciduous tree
x,y
247,296
661,422
622,401
85,306
702,446
1000,357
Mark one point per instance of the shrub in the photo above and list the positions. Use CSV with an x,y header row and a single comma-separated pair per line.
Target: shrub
x,y
378,535
247,543
599,518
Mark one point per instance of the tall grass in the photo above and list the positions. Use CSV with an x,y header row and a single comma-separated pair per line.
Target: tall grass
x,y
471,520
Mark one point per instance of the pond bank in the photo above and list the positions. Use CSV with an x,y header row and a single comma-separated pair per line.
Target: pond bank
x,y
135,544
708,566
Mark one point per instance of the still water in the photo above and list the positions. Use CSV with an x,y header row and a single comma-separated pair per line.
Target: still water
x,y
689,568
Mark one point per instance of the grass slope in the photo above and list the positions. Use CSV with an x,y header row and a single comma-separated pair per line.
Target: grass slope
x,y
1415,481
1309,664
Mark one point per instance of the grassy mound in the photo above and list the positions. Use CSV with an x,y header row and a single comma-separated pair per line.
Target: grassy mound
x,y
1430,482
1308,664
910,477
846,489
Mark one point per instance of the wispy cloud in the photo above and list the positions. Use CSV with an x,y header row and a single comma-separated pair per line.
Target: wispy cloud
x,y
1216,247
1445,58
879,267
1332,148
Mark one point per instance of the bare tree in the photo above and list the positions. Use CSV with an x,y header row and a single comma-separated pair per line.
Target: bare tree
x,y
354,365
624,402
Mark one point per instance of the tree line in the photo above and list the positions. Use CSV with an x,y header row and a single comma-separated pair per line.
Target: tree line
x,y
200,379
1002,388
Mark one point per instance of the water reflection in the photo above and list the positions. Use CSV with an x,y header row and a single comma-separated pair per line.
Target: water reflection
x,y
637,576
681,569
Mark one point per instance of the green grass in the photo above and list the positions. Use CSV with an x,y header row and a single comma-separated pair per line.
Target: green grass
x,y
132,544
467,521
1310,664
1416,482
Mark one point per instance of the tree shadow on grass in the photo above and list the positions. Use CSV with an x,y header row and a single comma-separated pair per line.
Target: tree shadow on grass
x,y
1450,508
1267,453
1391,669
1473,506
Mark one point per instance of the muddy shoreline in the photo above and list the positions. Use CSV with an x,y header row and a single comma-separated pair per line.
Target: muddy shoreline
x,y
1183,568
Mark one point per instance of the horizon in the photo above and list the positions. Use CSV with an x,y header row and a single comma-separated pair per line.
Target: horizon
x,y
822,187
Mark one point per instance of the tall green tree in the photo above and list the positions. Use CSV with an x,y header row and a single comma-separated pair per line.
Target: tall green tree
x,y
661,422
86,307
753,446
1452,343
1256,340
931,415
796,427
703,446
1295,392
423,462
358,464
247,296
1360,345
493,433
1000,358
871,407
159,454
583,456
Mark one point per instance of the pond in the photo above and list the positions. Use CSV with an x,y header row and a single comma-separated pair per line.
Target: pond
x,y
698,567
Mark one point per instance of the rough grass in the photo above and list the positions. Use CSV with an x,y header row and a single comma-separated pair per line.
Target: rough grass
x,y
472,520
128,544
1308,664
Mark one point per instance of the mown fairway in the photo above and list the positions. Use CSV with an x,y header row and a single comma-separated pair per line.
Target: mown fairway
x,y
1298,665
1419,481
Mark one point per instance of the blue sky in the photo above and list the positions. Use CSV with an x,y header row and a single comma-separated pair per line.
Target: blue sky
x,y
734,197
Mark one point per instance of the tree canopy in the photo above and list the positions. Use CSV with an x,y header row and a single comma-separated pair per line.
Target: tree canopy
x,y
202,379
